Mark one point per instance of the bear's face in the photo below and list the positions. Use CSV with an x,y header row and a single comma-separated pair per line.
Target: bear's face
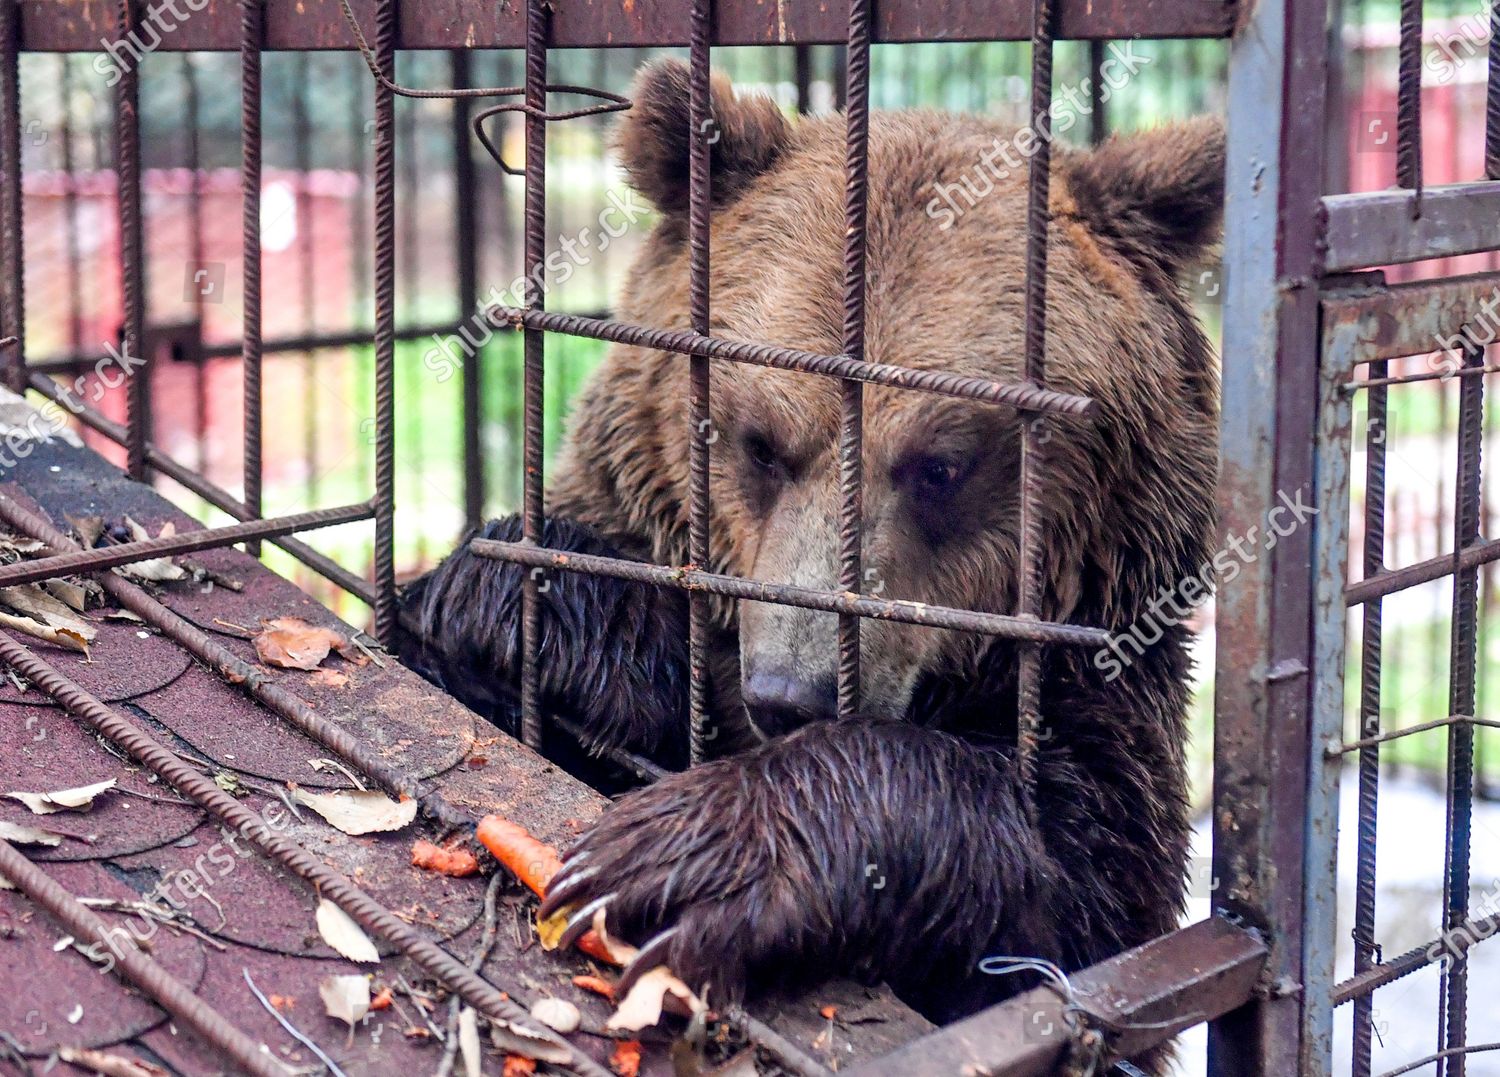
x,y
1127,502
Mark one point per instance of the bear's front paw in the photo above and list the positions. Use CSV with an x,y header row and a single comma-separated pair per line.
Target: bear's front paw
x,y
702,873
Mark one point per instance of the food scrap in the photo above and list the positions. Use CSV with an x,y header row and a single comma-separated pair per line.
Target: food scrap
x,y
625,1060
451,859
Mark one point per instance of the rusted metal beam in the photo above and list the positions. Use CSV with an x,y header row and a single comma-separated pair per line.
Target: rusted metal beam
x,y
209,538
689,579
1380,228
1137,1000
86,25
1370,323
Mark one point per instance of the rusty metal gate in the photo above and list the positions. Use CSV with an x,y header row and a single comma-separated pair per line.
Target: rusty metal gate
x,y
1306,337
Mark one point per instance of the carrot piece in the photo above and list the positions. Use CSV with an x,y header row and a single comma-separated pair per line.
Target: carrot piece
x,y
625,1060
453,860
597,984
518,1066
590,943
523,855
829,1012
382,999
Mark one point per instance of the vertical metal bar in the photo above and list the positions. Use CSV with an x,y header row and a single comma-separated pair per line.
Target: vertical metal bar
x,y
1366,952
1409,102
802,77
701,138
302,157
1265,788
70,206
191,120
1098,117
466,236
252,35
12,249
1460,791
537,18
132,255
1034,433
385,329
851,393
1492,97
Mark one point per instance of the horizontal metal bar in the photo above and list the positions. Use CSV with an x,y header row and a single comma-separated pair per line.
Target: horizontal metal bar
x,y
1380,228
1411,730
81,25
1392,321
83,362
688,579
214,494
683,342
1434,568
1139,999
1418,957
1426,375
208,538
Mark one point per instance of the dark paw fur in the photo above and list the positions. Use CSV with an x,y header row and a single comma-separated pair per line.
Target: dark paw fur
x,y
670,867
613,653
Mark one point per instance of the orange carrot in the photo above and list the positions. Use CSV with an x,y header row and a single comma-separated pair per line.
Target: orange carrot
x,y
597,984
626,1058
518,1066
453,860
382,999
523,855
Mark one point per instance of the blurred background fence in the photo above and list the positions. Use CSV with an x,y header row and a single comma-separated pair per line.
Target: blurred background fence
x,y
317,302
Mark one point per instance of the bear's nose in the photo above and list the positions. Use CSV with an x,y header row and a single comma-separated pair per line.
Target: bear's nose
x,y
778,704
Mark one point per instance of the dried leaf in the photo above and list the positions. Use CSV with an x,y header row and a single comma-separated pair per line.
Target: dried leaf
x,y
73,595
80,799
642,1005
468,1041
515,1040
330,678
155,569
67,638
32,600
346,998
359,811
109,1065
87,528
292,643
29,835
341,932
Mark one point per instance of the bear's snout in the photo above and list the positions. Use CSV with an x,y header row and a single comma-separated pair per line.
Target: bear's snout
x,y
778,704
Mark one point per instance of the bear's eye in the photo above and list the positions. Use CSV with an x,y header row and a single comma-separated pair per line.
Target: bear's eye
x,y
931,476
760,452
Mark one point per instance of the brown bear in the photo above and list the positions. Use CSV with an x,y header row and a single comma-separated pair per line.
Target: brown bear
x,y
895,846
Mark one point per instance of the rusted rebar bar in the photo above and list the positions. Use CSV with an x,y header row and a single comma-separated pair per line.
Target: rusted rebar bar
x,y
1021,397
174,996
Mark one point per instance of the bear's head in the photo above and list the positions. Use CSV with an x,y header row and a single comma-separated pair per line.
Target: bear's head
x,y
1127,507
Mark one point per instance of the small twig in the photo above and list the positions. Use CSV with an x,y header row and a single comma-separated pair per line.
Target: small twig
x,y
317,764
476,962
368,651
238,628
291,1029
414,995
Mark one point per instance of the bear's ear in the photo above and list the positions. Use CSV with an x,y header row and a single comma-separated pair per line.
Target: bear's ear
x,y
652,138
1158,196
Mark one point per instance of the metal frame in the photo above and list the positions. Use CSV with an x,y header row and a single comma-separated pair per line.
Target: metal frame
x,y
1262,969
